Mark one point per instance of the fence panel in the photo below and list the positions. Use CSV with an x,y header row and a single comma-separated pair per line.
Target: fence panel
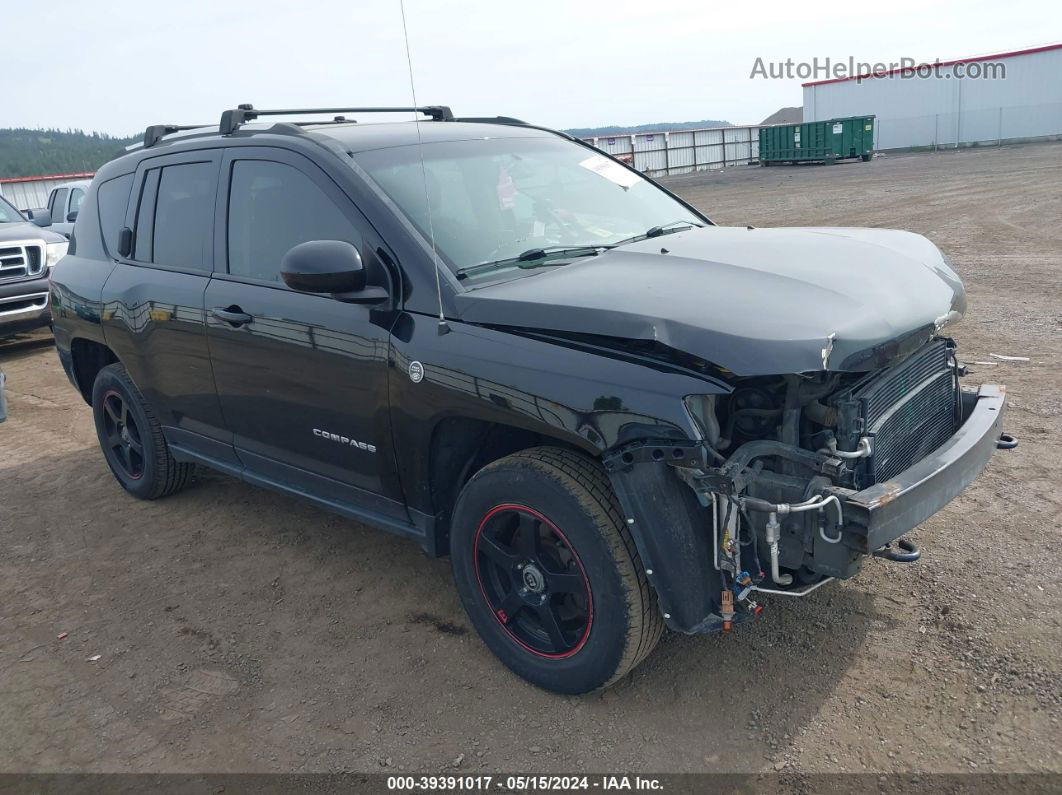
x,y
619,146
680,152
683,151
650,153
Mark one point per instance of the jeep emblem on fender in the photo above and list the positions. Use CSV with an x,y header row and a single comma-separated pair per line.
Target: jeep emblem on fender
x,y
416,372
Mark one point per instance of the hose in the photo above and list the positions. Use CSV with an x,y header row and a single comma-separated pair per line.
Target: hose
x,y
774,534
755,543
862,451
774,528
821,414
840,522
741,457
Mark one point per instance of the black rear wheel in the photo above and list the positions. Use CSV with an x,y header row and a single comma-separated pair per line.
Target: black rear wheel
x,y
549,573
131,438
121,439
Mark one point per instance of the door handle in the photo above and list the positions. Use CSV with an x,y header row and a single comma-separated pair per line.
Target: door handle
x,y
232,315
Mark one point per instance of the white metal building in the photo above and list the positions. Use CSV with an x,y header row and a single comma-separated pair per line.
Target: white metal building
x,y
30,193
960,104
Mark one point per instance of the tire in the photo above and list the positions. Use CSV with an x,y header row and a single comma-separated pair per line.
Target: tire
x,y
580,566
131,438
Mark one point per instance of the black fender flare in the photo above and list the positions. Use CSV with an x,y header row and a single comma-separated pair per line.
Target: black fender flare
x,y
672,530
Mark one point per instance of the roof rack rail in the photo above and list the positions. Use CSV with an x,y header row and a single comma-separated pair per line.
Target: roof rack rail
x,y
336,120
232,119
492,120
156,132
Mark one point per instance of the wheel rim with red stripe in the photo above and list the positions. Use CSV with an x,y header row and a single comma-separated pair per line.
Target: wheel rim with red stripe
x,y
533,581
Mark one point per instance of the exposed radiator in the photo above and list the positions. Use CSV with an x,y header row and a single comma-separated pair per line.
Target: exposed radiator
x,y
908,411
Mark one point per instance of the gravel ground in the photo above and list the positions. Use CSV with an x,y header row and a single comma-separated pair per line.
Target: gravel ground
x,y
239,630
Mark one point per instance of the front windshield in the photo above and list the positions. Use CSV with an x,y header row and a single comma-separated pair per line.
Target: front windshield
x,y
8,214
494,199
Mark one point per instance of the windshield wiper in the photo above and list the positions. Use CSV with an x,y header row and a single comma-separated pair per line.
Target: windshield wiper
x,y
657,231
663,229
537,257
533,258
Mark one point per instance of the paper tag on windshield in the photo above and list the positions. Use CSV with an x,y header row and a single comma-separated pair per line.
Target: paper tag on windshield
x,y
611,171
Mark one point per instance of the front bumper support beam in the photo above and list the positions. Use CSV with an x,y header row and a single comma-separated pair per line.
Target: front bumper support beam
x,y
883,512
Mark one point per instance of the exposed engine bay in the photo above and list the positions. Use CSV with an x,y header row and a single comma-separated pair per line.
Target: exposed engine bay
x,y
784,456
788,449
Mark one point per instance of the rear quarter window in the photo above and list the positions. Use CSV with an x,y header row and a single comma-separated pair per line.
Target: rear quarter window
x,y
112,198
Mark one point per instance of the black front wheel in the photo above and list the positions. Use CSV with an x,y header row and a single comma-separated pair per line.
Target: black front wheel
x,y
549,573
533,581
131,438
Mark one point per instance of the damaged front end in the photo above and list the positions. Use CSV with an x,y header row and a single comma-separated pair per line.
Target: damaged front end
x,y
797,478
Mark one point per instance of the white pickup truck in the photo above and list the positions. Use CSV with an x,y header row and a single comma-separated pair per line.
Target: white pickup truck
x,y
27,253
63,204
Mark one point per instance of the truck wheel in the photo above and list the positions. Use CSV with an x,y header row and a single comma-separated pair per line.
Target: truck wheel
x,y
549,573
131,438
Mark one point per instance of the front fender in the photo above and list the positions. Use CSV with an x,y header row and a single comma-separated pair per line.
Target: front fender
x,y
590,401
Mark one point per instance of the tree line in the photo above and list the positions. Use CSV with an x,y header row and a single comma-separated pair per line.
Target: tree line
x,y
30,153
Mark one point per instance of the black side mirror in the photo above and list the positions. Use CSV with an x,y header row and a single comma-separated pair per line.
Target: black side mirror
x,y
71,216
40,217
329,266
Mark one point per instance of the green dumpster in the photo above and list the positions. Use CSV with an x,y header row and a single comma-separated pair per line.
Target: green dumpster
x,y
817,141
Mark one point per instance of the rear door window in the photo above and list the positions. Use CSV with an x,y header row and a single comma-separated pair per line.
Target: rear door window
x,y
184,216
145,216
174,215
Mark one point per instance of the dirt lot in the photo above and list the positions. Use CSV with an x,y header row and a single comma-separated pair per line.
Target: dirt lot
x,y
238,630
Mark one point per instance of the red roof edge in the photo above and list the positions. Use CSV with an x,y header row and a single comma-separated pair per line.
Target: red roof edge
x,y
906,69
79,175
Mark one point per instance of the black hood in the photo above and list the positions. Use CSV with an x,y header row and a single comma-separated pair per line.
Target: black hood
x,y
28,231
751,301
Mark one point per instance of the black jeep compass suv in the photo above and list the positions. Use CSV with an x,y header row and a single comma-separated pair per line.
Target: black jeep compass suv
x,y
492,338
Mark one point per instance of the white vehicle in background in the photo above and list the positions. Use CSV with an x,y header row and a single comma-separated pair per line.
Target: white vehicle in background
x,y
63,204
27,254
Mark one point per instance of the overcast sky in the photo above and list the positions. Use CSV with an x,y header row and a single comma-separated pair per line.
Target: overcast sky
x,y
118,65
